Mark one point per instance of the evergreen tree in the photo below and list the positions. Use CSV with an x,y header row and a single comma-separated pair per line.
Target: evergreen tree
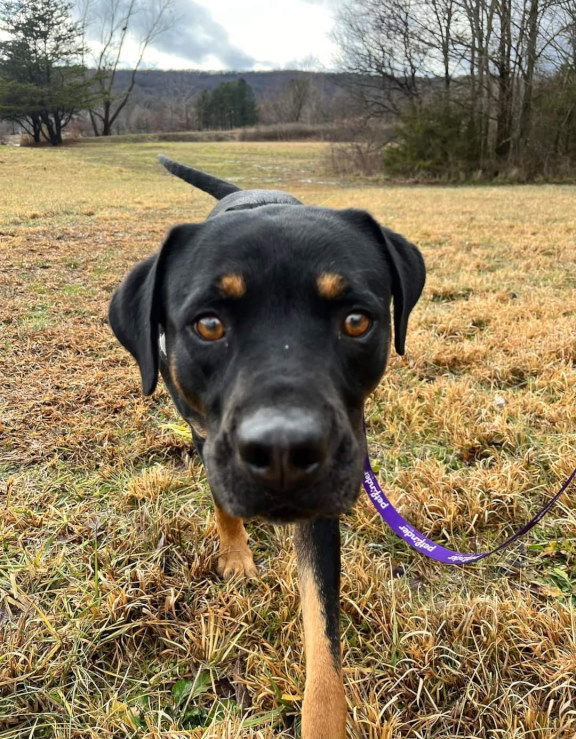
x,y
41,82
230,105
248,109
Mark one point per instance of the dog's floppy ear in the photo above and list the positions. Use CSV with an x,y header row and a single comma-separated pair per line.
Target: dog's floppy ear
x,y
135,311
407,267
408,278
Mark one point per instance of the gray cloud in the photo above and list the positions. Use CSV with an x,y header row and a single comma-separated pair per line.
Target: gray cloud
x,y
196,36
191,33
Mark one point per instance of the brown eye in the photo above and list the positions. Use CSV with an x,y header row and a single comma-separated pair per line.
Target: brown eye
x,y
356,324
209,328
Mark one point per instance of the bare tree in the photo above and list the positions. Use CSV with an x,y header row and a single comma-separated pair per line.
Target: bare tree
x,y
181,104
481,67
112,23
382,53
289,105
444,15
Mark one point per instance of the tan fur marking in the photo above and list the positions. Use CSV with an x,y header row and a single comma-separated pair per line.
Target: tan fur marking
x,y
194,402
330,285
235,555
324,707
232,286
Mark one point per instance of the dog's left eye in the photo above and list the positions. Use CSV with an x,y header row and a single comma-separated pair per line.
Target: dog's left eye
x,y
209,328
356,324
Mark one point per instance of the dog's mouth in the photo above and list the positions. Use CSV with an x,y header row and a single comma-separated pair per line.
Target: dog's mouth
x,y
330,494
258,506
288,514
291,514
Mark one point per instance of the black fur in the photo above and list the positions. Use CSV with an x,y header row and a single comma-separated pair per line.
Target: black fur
x,y
284,348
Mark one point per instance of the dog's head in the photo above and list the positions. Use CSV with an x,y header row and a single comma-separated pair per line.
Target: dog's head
x,y
276,324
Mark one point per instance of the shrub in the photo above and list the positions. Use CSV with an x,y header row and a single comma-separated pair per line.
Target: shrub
x,y
361,154
355,158
433,141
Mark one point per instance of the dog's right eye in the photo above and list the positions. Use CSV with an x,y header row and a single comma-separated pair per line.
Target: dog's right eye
x,y
209,328
356,324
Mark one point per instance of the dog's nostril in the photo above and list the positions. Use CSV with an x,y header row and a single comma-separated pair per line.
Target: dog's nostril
x,y
305,458
256,455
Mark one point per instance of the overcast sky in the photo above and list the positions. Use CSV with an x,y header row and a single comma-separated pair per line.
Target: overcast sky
x,y
242,34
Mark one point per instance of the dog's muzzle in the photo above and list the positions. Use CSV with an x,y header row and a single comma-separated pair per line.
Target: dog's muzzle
x,y
285,463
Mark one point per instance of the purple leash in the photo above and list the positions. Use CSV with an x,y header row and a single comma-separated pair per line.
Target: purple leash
x,y
421,543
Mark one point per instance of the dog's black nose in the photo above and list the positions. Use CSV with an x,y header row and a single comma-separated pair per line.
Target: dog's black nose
x,y
282,449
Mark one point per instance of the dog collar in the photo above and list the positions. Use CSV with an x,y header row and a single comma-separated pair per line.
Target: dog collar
x,y
422,543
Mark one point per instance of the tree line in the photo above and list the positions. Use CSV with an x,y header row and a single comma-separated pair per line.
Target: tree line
x,y
46,78
172,100
49,76
473,85
450,88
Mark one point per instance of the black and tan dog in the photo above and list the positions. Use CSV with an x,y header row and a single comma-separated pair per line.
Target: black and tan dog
x,y
270,324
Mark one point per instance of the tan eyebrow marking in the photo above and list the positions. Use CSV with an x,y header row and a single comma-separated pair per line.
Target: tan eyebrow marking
x,y
232,285
330,285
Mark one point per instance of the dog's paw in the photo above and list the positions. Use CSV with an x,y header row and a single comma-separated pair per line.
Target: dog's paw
x,y
236,563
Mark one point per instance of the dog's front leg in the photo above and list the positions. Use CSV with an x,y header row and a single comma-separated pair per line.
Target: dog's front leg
x,y
235,555
318,554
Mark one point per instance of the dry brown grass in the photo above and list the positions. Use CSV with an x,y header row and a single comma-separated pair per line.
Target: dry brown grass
x,y
112,621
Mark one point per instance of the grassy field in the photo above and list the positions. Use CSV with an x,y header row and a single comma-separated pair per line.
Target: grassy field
x,y
112,620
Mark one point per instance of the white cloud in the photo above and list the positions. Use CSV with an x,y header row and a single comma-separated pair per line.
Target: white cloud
x,y
276,33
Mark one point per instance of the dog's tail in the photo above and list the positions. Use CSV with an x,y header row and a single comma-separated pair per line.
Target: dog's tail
x,y
212,185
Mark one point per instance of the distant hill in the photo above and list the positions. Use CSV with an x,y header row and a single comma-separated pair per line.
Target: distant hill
x,y
266,85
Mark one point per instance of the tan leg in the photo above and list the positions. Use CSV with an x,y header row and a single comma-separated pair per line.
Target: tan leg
x,y
324,707
235,555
